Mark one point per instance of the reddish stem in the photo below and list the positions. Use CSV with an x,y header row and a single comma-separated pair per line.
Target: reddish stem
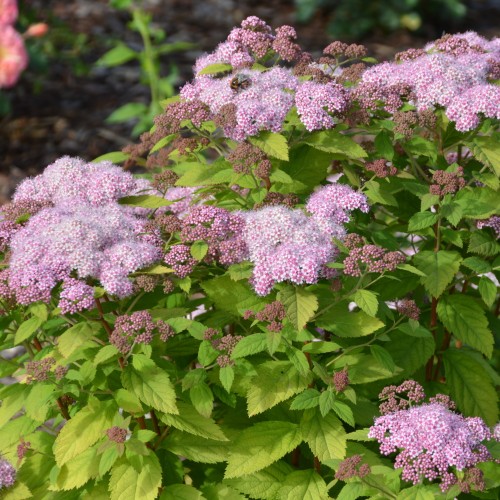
x,y
433,325
108,328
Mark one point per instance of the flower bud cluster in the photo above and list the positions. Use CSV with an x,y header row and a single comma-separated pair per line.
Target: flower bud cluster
x,y
225,344
137,328
447,182
352,467
341,380
273,314
381,168
38,370
408,308
372,259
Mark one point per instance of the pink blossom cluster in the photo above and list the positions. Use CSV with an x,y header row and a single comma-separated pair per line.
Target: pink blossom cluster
x,y
431,440
371,258
7,474
452,72
493,222
82,234
13,55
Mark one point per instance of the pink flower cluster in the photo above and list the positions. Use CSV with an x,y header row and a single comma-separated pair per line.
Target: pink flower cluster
x,y
13,55
431,441
81,234
246,100
452,72
7,474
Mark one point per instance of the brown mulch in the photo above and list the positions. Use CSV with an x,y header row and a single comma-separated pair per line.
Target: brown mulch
x,y
66,114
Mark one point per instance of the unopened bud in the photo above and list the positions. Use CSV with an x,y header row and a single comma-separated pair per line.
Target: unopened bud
x,y
36,30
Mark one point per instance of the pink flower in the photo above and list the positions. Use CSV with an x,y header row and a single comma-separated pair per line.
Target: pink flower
x,y
8,12
13,56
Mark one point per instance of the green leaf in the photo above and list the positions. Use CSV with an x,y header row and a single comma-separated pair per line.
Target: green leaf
x,y
261,445
470,386
439,267
94,418
214,69
128,401
383,145
273,340
466,320
150,384
189,420
478,203
253,344
202,398
273,144
305,400
421,220
105,353
39,310
344,412
196,448
307,167
114,156
478,265
378,193
27,329
226,377
156,269
220,492
332,141
240,271
227,294
488,290
181,492
320,347
339,320
77,471
131,110
117,55
453,212
326,401
37,404
145,201
324,435
367,301
483,244
411,269
262,484
126,482
303,484
485,149
199,249
276,381
417,492
419,146
19,491
383,357
12,401
428,200
300,305
207,175
76,336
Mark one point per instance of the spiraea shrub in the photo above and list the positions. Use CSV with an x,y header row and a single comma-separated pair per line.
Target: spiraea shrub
x,y
296,298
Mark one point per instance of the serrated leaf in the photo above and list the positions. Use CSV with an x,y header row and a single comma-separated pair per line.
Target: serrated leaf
x,y
260,445
196,448
19,491
71,441
422,147
253,344
128,401
305,400
77,471
326,401
339,320
27,329
478,265
470,386
428,200
488,290
74,337
114,156
439,267
202,398
344,412
157,269
273,144
466,319
145,201
105,353
220,492
276,381
320,346
411,269
262,484
453,212
214,69
483,244
150,384
421,220
332,141
199,249
126,482
366,301
226,377
485,149
273,340
417,492
181,492
303,484
37,404
189,420
324,435
383,145
383,357
377,193
300,305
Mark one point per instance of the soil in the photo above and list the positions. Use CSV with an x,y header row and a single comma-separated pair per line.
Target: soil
x,y
62,110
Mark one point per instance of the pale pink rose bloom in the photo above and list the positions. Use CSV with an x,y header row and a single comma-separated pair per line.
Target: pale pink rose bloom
x,y
13,56
8,12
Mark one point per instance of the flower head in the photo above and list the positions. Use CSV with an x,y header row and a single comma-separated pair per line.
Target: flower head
x,y
13,55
